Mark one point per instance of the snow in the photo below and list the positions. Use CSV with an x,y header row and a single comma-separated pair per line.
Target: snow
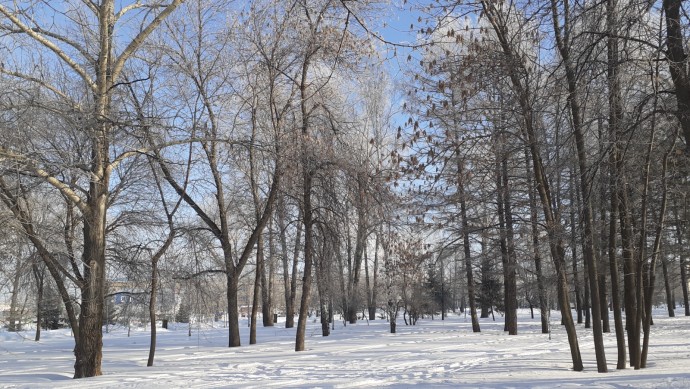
x,y
434,353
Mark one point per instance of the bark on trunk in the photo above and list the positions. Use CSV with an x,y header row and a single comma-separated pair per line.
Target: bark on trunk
x,y
266,289
373,285
670,304
511,270
466,247
39,276
360,245
677,62
308,262
232,282
486,277
629,279
322,288
14,324
307,211
257,289
88,351
534,224
505,226
579,306
289,273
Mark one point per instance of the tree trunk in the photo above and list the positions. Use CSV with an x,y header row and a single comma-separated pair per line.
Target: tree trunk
x,y
511,271
39,276
615,115
629,279
585,185
670,304
266,286
14,324
152,311
550,214
509,282
322,288
486,277
684,282
651,279
232,281
289,277
587,306
308,170
360,245
374,283
308,262
257,289
466,246
579,306
534,224
614,271
88,351
677,62
683,257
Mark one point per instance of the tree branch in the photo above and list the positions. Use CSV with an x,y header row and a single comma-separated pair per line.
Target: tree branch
x,y
49,45
139,39
52,180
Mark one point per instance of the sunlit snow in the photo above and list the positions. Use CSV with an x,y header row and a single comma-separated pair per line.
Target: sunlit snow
x,y
434,353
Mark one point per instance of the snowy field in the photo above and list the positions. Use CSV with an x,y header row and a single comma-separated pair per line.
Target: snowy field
x,y
434,353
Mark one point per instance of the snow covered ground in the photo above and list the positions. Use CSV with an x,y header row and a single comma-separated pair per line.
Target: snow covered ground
x,y
434,353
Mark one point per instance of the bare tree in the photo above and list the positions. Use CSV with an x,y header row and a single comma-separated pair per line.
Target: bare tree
x,y
99,66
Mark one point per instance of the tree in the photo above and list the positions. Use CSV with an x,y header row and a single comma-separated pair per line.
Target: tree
x,y
99,81
193,60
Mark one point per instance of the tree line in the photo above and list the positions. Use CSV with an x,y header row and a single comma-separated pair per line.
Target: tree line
x,y
187,146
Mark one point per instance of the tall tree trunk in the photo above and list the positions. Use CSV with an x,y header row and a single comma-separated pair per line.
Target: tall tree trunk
x,y
89,348
257,289
683,258
615,163
602,238
511,271
670,304
614,270
629,279
684,282
656,249
502,235
14,324
233,315
466,246
587,306
579,306
289,274
486,276
360,245
534,224
267,279
322,287
563,44
677,62
308,260
152,311
506,239
39,276
373,285
308,170
551,216
267,289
